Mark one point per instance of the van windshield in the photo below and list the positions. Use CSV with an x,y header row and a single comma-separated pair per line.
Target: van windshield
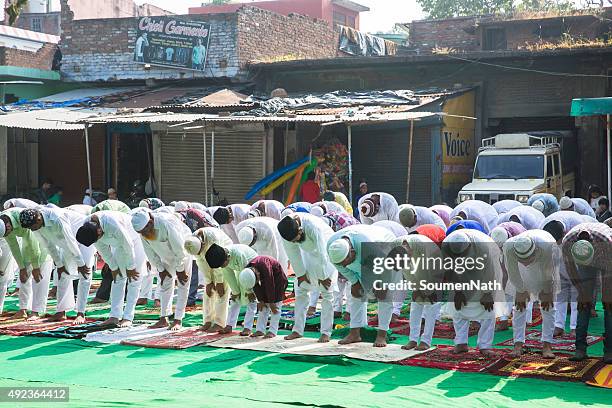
x,y
509,167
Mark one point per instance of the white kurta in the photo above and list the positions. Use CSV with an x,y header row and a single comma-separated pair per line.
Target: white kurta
x,y
424,216
19,203
394,227
272,208
268,240
389,209
581,206
529,217
504,206
240,213
330,207
8,269
478,211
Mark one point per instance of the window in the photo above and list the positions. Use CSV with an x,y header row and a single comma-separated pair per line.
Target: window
x,y
350,21
557,165
494,39
36,24
339,18
509,167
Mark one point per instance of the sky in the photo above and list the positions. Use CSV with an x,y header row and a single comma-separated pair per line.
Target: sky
x,y
382,16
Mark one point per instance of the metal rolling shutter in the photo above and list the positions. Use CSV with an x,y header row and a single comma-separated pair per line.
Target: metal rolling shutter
x,y
381,158
239,160
239,163
182,167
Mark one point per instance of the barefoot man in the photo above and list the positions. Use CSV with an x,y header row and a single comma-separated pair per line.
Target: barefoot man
x,y
266,277
345,249
215,303
533,270
305,239
33,261
121,249
56,229
163,237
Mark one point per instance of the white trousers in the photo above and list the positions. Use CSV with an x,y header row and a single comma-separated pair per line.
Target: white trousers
x,y
146,288
262,319
507,307
358,308
519,323
5,281
397,305
33,295
568,294
314,298
485,333
429,312
65,290
215,307
167,292
303,294
249,317
341,296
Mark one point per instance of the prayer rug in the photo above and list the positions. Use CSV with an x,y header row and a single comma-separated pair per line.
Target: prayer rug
x,y
117,335
25,328
442,357
9,320
566,342
602,378
96,307
559,369
442,330
178,340
310,346
73,332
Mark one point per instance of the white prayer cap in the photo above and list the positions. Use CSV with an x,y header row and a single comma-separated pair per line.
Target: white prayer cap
x,y
286,212
338,250
8,204
2,230
499,235
458,242
181,206
255,213
317,210
246,235
523,246
88,191
140,219
144,203
193,245
583,252
565,203
538,205
172,203
247,279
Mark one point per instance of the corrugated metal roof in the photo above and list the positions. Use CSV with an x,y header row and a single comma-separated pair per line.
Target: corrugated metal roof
x,y
191,118
50,119
83,93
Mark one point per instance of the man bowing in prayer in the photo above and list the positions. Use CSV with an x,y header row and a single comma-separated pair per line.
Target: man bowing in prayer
x,y
533,271
305,239
377,207
122,250
163,238
229,217
56,229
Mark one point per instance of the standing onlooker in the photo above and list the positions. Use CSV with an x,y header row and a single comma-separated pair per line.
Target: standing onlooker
x,y
363,190
57,197
45,191
88,198
594,194
603,211
310,192
112,194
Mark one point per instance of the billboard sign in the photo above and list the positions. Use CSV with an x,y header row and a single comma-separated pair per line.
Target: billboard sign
x,y
173,43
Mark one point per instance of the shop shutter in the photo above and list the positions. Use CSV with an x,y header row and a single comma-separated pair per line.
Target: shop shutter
x,y
239,163
380,156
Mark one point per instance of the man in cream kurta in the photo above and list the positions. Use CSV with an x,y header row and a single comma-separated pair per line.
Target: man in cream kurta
x,y
533,271
215,303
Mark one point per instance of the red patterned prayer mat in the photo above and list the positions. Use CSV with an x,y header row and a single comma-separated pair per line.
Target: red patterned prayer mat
x,y
179,339
559,369
442,357
442,330
26,328
566,342
400,323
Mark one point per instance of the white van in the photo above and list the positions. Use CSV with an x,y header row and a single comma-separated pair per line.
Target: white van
x,y
514,166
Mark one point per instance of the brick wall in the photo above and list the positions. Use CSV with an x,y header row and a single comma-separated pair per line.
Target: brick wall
x,y
103,50
266,36
42,59
456,33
